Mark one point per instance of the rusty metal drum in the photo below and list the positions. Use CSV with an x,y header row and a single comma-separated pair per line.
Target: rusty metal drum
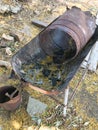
x,y
65,37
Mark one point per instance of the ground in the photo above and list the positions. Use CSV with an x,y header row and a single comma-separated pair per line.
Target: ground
x,y
82,112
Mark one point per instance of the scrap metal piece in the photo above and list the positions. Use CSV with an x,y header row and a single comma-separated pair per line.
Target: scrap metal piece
x,y
68,33
6,102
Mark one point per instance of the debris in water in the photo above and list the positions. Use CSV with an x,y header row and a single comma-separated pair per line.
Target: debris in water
x,y
45,73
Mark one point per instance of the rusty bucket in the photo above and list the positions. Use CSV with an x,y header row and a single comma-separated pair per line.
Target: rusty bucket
x,y
65,37
7,102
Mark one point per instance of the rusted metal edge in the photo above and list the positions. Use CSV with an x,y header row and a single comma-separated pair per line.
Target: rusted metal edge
x,y
53,92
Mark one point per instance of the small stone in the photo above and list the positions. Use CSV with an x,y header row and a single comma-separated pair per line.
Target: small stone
x,y
18,36
74,125
15,36
86,123
3,43
4,8
8,51
36,12
15,9
37,120
58,123
7,37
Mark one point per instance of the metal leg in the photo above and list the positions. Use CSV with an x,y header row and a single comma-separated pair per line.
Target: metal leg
x,y
65,101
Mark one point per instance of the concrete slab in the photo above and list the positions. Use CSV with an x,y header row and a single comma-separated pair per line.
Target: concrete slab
x,y
35,106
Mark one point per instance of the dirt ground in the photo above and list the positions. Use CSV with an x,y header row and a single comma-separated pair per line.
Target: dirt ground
x,y
82,112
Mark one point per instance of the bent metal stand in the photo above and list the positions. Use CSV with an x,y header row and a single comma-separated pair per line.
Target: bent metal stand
x,y
65,100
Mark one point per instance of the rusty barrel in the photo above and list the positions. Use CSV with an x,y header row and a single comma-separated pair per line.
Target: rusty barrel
x,y
6,102
65,37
